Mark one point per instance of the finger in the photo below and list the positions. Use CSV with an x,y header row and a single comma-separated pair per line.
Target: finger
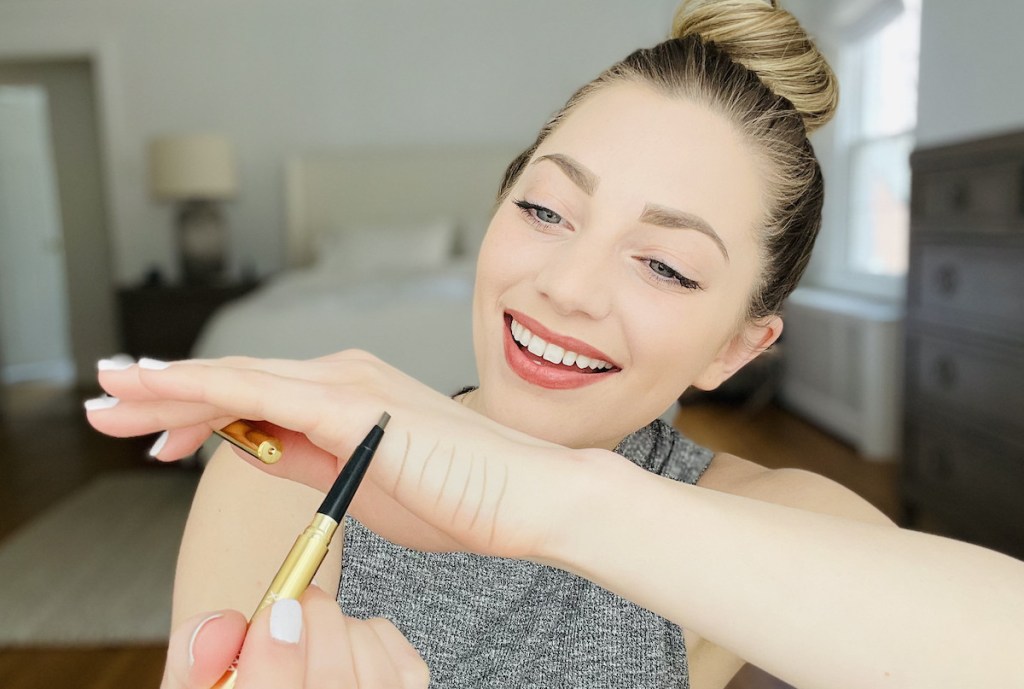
x,y
274,653
126,418
202,648
409,666
328,649
179,443
123,381
374,664
328,415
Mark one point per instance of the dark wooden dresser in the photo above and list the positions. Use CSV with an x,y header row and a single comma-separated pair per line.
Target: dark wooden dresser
x,y
163,321
964,420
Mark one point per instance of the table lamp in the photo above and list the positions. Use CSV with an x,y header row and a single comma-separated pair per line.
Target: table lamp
x,y
196,171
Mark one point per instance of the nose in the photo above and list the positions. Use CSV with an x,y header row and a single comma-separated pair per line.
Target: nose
x,y
576,278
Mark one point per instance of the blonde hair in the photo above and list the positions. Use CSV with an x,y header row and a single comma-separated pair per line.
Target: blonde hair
x,y
754,64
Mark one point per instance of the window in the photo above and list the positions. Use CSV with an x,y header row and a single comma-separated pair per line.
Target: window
x,y
877,70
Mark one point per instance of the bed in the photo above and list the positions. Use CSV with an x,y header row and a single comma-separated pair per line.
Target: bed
x,y
381,247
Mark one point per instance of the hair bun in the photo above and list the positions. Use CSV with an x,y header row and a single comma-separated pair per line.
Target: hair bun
x,y
771,43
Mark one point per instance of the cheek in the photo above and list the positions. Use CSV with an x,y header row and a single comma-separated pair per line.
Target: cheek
x,y
504,255
672,345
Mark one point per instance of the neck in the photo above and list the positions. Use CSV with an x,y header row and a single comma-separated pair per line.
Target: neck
x,y
474,400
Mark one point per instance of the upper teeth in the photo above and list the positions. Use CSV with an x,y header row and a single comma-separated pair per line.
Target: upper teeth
x,y
552,352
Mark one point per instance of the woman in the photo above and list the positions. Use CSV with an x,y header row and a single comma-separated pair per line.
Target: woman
x,y
644,244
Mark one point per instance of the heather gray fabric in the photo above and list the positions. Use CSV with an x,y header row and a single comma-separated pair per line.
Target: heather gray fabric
x,y
483,622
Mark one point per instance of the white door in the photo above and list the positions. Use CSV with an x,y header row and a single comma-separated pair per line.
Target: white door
x,y
34,340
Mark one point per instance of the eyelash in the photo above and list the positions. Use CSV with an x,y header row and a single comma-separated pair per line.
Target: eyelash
x,y
529,211
674,275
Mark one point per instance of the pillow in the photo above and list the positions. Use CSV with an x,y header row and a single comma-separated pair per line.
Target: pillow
x,y
361,250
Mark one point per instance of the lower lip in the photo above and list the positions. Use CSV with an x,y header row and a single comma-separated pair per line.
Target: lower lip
x,y
537,371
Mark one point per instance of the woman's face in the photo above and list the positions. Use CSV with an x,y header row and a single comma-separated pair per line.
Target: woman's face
x,y
628,247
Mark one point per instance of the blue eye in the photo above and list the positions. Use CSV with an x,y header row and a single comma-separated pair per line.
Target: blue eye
x,y
664,271
536,213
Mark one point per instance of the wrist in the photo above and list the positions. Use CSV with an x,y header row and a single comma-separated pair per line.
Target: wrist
x,y
589,498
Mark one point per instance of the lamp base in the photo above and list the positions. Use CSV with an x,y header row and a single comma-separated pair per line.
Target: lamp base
x,y
202,242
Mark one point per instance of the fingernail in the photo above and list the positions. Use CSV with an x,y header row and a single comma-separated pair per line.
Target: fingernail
x,y
152,364
286,621
118,362
195,633
159,444
104,402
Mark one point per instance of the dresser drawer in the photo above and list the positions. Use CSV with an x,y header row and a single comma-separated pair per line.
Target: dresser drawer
x,y
986,383
957,199
980,286
971,470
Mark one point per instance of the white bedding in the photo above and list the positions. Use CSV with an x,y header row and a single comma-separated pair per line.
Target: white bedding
x,y
418,320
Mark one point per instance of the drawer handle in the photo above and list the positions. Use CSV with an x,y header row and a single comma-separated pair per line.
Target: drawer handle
x,y
946,280
945,373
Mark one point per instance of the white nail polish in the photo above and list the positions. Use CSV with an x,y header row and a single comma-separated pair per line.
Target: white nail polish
x,y
152,364
286,621
159,444
104,402
195,633
118,362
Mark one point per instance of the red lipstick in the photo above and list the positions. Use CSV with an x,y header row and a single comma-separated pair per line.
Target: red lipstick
x,y
538,371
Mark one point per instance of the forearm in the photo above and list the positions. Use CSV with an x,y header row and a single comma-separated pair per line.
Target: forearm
x,y
240,528
814,599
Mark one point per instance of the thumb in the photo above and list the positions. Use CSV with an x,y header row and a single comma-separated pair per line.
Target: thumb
x,y
202,648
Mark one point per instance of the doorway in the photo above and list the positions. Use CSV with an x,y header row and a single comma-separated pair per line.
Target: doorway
x,y
35,343
54,100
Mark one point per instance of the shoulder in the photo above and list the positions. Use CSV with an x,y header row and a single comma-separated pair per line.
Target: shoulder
x,y
790,487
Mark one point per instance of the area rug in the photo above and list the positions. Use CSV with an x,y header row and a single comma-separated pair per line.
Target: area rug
x,y
97,569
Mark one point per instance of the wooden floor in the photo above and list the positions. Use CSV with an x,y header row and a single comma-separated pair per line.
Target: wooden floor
x,y
49,451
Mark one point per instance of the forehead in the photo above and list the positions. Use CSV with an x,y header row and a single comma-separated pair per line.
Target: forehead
x,y
648,147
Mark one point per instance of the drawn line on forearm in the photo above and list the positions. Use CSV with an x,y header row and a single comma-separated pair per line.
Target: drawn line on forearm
x,y
465,488
447,473
498,503
480,501
401,467
426,460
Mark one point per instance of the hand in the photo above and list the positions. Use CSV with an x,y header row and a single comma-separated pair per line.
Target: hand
x,y
444,477
294,645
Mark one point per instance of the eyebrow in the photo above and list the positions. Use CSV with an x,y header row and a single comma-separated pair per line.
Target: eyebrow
x,y
580,176
653,214
668,217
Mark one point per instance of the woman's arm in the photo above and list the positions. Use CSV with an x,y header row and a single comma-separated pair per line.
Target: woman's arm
x,y
240,528
817,600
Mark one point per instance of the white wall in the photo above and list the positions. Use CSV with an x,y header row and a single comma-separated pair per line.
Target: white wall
x,y
972,69
278,76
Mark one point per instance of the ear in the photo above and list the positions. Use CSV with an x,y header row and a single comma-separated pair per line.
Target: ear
x,y
741,349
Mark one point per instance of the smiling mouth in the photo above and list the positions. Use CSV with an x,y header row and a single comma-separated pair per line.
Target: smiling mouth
x,y
545,364
544,352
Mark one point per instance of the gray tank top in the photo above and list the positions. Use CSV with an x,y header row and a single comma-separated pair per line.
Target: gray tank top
x,y
482,622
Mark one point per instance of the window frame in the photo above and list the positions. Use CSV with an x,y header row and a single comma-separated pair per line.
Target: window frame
x,y
834,269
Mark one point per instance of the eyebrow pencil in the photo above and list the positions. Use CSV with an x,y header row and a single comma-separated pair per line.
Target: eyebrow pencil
x,y
311,546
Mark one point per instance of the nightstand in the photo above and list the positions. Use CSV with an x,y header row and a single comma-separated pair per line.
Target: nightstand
x,y
164,321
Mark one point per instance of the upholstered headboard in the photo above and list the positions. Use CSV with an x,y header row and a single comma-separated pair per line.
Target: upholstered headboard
x,y
330,191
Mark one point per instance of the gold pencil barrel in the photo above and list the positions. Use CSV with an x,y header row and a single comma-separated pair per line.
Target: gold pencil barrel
x,y
302,562
260,445
295,574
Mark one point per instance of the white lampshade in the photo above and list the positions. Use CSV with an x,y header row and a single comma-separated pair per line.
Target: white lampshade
x,y
196,166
